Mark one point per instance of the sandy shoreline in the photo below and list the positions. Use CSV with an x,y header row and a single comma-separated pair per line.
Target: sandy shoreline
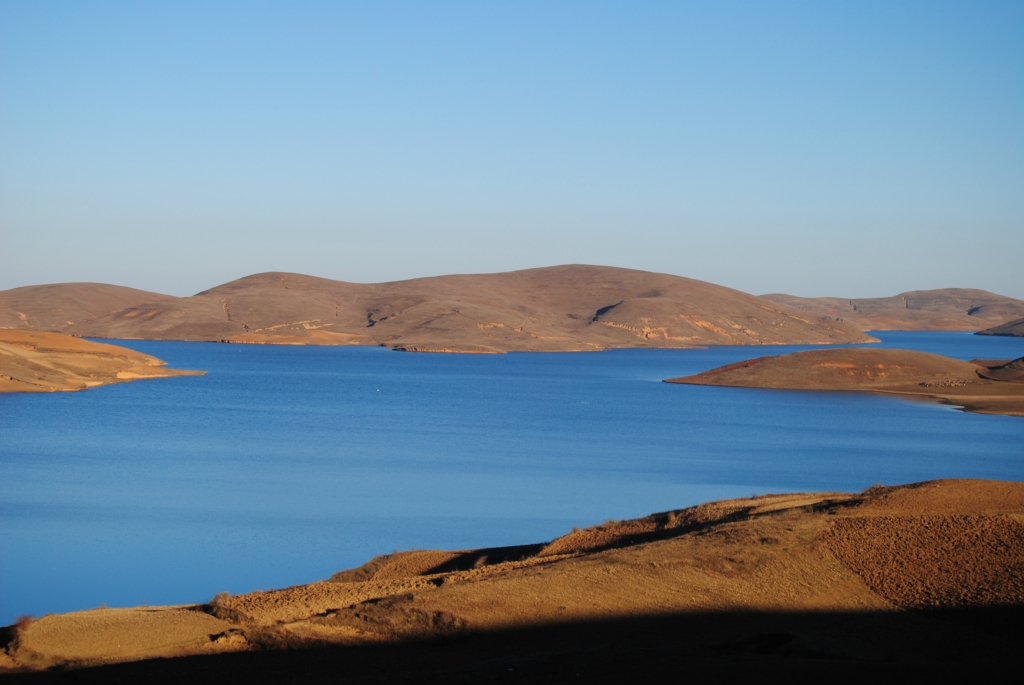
x,y
36,361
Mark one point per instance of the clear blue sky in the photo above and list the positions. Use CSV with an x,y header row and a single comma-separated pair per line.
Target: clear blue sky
x,y
817,148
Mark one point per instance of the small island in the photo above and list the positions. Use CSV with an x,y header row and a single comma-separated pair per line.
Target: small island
x,y
38,361
980,386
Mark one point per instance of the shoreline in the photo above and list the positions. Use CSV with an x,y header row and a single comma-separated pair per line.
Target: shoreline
x,y
979,386
34,362
828,553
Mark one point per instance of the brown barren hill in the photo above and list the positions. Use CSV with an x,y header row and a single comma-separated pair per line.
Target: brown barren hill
x,y
948,309
563,308
1010,328
998,370
917,577
38,361
971,385
57,306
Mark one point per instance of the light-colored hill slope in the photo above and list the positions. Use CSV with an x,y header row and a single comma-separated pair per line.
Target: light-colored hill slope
x,y
948,309
987,387
551,309
39,361
719,582
1011,328
57,306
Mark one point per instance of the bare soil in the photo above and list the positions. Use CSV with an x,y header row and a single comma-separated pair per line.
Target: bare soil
x,y
1011,328
56,306
37,361
562,308
981,386
914,577
947,309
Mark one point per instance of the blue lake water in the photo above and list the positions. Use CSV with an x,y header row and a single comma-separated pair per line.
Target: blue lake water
x,y
286,464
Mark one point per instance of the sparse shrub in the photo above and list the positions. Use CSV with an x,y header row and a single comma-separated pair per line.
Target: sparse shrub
x,y
23,623
220,598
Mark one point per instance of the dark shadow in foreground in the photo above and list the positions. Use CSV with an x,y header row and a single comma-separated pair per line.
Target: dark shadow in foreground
x,y
842,647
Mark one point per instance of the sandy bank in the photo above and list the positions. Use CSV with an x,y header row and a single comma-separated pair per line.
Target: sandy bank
x,y
36,361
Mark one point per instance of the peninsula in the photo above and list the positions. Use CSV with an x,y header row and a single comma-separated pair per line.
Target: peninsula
x,y
895,580
37,361
1010,328
981,386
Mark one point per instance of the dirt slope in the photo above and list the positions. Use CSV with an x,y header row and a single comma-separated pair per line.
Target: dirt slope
x,y
551,309
998,370
827,577
57,306
947,309
37,361
975,385
1014,328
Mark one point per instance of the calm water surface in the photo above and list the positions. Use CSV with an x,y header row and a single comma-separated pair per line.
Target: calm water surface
x,y
285,464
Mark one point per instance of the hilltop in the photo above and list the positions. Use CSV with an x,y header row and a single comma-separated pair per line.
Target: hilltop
x,y
947,309
982,386
562,308
57,306
906,580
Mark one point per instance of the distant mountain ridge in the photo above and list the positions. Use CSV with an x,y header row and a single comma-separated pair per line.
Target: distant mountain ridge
x,y
562,308
946,309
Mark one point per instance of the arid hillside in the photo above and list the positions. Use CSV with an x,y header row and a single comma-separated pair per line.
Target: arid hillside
x,y
1013,328
38,361
948,309
906,580
983,386
57,306
552,309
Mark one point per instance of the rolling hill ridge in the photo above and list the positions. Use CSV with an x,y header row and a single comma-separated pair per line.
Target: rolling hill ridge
x,y
562,308
947,309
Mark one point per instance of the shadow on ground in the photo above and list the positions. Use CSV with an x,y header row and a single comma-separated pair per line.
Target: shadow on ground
x,y
842,647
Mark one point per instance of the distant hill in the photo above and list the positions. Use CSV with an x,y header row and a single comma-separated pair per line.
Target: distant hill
x,y
57,306
948,309
1014,328
558,308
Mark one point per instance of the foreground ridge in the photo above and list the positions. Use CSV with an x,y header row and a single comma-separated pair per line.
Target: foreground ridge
x,y
928,573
